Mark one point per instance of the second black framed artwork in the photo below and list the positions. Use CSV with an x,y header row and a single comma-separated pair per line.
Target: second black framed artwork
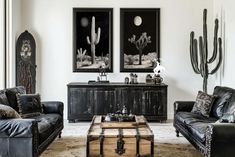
x,y
139,39
92,39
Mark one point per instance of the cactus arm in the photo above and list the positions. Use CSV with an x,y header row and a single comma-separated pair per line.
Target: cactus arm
x,y
202,66
193,53
98,36
84,52
205,34
93,36
213,57
220,57
88,40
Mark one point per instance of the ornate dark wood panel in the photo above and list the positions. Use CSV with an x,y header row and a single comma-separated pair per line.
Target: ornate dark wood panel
x,y
26,62
86,100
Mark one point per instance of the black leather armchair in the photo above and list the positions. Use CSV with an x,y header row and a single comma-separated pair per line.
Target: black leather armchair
x,y
213,139
30,137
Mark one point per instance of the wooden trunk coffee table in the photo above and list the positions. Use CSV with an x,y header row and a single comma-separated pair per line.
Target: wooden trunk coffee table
x,y
120,139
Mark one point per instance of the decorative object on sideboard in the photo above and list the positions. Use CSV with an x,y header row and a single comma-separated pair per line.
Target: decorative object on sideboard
x,y
201,67
26,62
102,74
139,39
126,80
133,78
149,79
92,39
159,71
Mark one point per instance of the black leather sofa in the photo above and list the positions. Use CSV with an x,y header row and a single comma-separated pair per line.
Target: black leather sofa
x,y
30,137
212,138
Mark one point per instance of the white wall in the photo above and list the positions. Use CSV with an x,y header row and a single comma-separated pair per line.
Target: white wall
x,y
50,21
224,10
2,44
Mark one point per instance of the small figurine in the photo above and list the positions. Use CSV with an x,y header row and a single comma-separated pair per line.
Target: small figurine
x,y
126,80
124,110
131,78
158,71
135,79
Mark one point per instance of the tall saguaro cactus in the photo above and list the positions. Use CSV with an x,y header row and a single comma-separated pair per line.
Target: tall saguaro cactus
x,y
94,39
201,67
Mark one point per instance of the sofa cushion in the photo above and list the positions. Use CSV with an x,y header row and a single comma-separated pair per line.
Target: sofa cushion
x,y
189,117
3,98
11,96
203,104
29,105
47,123
6,112
198,130
194,123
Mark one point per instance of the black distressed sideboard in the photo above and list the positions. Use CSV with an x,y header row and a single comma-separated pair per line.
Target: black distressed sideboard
x,y
86,100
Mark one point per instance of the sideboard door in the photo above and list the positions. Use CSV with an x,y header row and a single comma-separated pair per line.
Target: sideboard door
x,y
135,100
79,104
103,101
154,104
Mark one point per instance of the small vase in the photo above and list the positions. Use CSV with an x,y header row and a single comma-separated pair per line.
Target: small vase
x,y
158,79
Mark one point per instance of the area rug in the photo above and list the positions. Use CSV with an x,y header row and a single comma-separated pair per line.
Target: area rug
x,y
76,147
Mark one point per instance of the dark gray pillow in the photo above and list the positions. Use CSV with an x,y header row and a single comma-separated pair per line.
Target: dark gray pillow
x,y
3,98
29,105
11,96
203,104
219,103
6,112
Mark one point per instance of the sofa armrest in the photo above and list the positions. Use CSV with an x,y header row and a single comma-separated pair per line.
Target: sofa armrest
x,y
220,139
185,106
18,128
53,107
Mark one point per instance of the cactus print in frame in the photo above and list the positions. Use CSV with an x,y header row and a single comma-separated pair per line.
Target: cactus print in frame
x,y
139,39
92,39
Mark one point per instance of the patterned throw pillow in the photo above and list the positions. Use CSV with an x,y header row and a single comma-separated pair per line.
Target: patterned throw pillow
x,y
203,104
6,112
29,105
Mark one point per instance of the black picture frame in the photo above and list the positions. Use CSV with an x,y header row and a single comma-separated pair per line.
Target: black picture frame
x,y
144,23
99,49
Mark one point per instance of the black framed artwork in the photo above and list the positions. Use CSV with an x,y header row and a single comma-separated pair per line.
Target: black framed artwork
x,y
92,39
139,39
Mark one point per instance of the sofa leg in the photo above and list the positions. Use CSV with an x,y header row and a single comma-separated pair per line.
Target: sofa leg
x,y
60,134
177,133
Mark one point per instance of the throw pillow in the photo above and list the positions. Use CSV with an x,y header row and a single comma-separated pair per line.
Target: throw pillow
x,y
227,118
3,98
7,112
203,104
29,105
11,96
219,103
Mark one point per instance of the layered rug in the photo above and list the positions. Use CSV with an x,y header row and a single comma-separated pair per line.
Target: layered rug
x,y
76,147
73,142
